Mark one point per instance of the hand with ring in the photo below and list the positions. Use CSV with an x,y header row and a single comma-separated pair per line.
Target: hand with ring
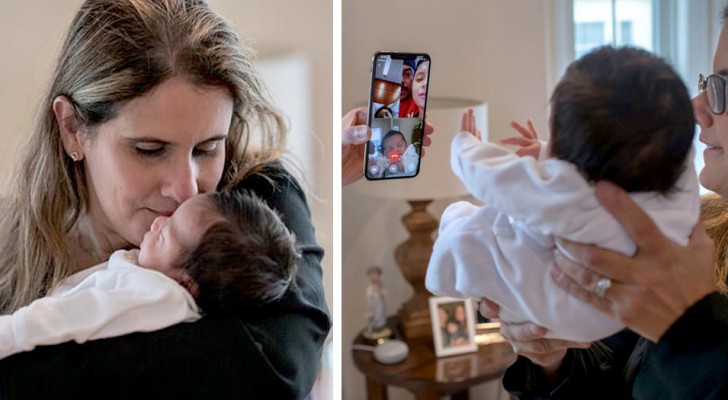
x,y
649,291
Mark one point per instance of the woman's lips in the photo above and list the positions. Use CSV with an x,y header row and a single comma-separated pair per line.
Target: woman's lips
x,y
712,150
163,213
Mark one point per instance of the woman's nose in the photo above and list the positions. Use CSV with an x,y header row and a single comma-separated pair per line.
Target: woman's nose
x,y
701,110
181,181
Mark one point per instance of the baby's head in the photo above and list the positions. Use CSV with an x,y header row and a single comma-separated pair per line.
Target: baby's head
x,y
452,326
228,249
394,141
623,115
383,112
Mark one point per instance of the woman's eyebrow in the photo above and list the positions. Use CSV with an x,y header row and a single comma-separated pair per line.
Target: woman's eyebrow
x,y
723,72
216,138
160,141
145,140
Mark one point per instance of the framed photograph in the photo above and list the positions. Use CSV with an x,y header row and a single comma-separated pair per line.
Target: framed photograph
x,y
453,326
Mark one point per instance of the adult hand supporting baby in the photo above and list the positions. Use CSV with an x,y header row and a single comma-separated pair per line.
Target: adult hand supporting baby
x,y
650,290
527,340
354,136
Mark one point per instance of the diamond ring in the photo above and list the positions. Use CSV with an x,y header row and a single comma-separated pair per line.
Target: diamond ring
x,y
602,286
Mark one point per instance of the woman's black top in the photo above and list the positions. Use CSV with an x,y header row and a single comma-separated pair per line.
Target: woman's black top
x,y
689,362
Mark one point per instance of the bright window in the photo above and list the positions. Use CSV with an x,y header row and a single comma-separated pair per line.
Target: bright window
x,y
683,32
615,22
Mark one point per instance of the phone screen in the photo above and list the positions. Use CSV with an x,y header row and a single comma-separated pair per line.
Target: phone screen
x,y
397,104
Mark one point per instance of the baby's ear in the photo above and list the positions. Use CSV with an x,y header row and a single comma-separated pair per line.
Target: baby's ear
x,y
187,282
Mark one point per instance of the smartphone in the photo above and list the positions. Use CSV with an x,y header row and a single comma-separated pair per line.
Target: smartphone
x,y
397,106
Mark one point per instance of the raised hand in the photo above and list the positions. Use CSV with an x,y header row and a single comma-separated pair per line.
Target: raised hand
x,y
527,141
467,124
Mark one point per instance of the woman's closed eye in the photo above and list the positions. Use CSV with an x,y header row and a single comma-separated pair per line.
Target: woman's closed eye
x,y
209,148
149,148
157,149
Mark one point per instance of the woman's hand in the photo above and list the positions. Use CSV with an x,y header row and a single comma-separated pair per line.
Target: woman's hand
x,y
527,142
527,340
354,136
649,291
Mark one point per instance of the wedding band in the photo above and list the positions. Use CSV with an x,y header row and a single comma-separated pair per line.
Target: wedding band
x,y
602,286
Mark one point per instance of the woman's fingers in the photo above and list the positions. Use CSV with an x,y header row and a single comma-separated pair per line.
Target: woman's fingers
x,y
426,141
488,309
522,332
354,128
576,289
587,263
429,129
529,338
358,134
600,262
633,219
582,276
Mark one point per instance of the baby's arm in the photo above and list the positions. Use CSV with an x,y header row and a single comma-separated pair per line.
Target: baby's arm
x,y
553,197
102,306
536,192
521,187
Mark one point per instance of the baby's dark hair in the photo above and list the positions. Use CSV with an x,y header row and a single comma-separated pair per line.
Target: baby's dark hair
x,y
623,115
246,258
380,110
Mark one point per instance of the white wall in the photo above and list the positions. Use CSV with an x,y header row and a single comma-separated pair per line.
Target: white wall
x,y
31,32
491,50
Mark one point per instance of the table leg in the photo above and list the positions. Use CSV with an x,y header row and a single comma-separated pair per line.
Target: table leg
x,y
464,395
376,391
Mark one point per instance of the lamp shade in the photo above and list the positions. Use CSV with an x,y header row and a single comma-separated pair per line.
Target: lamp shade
x,y
436,179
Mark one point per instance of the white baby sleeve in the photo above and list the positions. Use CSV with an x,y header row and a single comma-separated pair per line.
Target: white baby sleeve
x,y
553,198
108,303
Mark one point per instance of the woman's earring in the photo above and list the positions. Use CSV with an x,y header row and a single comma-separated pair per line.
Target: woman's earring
x,y
75,156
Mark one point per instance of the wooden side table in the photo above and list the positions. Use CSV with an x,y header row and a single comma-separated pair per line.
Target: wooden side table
x,y
429,377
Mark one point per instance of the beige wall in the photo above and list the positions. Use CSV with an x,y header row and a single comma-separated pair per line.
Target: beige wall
x,y
31,32
491,50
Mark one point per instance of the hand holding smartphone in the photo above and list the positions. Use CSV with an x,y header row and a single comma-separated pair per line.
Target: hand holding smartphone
x,y
397,106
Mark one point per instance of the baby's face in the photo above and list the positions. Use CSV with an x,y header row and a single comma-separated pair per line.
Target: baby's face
x,y
394,143
168,237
